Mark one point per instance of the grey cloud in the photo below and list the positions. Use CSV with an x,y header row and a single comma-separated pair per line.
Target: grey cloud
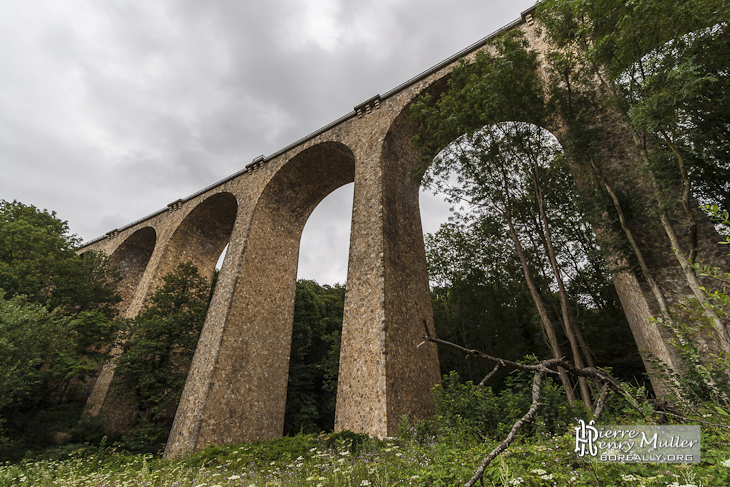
x,y
110,110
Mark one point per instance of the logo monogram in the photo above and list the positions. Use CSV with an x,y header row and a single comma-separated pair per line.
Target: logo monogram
x,y
585,435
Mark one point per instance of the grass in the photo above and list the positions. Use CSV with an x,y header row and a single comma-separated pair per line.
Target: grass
x,y
344,459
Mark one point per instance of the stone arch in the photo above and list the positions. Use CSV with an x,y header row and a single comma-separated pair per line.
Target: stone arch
x,y
200,239
303,182
274,240
630,287
132,257
202,235
236,390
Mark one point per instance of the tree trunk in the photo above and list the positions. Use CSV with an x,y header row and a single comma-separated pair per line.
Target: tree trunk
x,y
565,308
537,299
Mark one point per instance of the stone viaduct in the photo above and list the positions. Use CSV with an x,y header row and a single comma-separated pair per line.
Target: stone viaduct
x,y
236,387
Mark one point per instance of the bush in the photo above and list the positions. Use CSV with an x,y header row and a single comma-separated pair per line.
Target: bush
x,y
158,347
465,408
346,441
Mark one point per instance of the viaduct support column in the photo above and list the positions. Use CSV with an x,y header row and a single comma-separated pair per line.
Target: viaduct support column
x,y
384,373
236,387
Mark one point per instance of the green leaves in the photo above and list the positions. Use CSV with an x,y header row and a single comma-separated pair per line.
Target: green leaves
x,y
55,319
662,66
38,260
159,344
492,89
45,357
315,354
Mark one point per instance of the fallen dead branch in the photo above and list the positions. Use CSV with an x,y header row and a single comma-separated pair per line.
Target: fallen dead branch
x,y
536,389
546,367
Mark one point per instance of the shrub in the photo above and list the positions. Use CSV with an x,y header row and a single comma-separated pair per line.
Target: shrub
x,y
466,408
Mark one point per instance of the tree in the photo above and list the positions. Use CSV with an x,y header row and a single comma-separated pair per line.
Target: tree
x,y
478,297
158,347
314,359
480,301
487,129
661,75
56,325
45,356
38,260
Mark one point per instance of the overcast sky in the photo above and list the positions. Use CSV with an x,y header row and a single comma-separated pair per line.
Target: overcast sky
x,y
111,109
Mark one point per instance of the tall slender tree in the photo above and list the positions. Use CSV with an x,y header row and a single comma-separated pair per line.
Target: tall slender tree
x,y
659,74
486,128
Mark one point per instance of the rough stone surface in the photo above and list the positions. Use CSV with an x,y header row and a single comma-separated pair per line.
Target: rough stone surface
x,y
236,387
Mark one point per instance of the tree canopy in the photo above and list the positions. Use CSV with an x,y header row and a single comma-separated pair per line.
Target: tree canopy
x,y
38,260
157,349
56,324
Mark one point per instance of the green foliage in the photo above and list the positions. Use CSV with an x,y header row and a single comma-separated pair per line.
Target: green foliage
x,y
704,378
305,460
704,382
662,68
486,147
347,441
315,355
465,408
479,300
158,347
477,94
44,358
38,260
55,325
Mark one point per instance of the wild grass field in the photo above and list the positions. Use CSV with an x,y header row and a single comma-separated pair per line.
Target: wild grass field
x,y
420,456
